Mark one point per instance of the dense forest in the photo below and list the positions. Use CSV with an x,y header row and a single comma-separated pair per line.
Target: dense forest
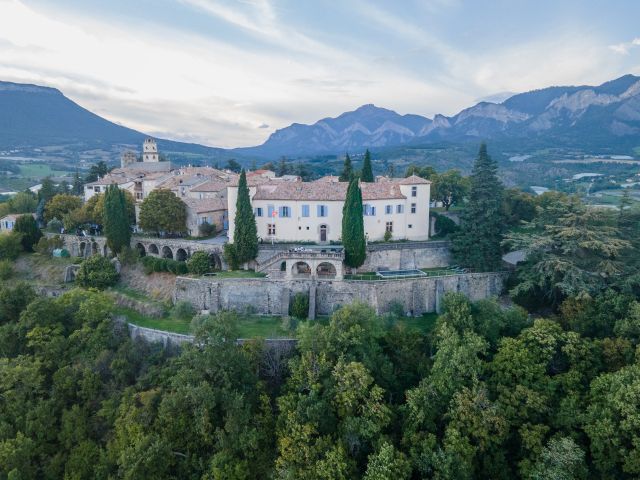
x,y
543,383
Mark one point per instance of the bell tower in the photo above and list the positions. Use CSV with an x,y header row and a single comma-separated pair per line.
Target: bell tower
x,y
150,151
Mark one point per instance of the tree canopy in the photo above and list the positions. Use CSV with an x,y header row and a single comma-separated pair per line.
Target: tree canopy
x,y
367,169
162,211
117,226
347,170
245,236
353,238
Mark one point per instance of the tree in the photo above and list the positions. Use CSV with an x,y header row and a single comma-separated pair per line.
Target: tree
x,y
97,272
347,170
60,205
245,235
97,171
47,190
353,238
518,206
27,227
77,187
23,202
116,219
387,463
477,244
199,263
162,211
10,245
233,165
579,253
426,172
561,459
367,170
450,188
283,167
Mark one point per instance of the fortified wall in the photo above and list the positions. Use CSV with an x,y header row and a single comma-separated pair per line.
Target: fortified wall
x,y
272,296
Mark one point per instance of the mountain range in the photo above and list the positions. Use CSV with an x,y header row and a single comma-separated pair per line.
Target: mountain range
x,y
35,117
560,116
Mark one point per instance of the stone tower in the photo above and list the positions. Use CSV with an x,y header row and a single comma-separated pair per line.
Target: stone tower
x,y
150,151
127,159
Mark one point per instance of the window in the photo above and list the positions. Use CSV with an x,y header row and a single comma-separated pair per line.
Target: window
x,y
138,195
410,226
258,211
305,210
323,210
388,209
270,210
369,210
285,212
96,189
271,229
399,208
413,208
389,227
414,191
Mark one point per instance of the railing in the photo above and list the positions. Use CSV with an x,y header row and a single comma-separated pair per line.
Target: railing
x,y
408,244
374,277
302,255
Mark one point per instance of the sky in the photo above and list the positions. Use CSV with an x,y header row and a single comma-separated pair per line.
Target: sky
x,y
229,73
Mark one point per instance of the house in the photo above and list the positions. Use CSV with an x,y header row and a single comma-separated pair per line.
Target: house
x,y
208,210
8,221
296,211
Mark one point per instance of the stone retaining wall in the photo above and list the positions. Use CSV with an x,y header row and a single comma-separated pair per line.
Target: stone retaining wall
x,y
272,296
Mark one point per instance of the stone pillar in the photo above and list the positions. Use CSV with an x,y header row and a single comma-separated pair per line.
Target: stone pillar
x,y
439,295
339,270
284,303
287,274
312,300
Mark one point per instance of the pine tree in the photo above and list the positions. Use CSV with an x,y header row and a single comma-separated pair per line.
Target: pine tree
x,y
367,170
353,226
245,236
116,219
78,184
477,244
347,170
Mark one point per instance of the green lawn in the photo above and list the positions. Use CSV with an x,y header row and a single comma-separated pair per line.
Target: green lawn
x,y
168,324
39,170
425,323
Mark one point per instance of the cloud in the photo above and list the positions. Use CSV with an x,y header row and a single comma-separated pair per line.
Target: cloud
x,y
263,125
625,47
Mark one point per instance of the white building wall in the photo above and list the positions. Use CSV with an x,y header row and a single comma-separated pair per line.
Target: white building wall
x,y
297,228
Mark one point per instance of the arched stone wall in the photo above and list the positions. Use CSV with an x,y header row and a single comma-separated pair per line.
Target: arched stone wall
x,y
141,250
167,252
153,249
181,255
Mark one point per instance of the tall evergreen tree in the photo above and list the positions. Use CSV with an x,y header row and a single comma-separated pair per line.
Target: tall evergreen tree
x,y
367,170
78,184
245,236
347,170
27,226
477,244
116,219
353,226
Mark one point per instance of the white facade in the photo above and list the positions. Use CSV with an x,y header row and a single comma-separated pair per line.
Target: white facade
x,y
290,219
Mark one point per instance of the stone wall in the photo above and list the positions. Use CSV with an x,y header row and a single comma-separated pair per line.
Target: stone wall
x,y
151,335
272,296
406,255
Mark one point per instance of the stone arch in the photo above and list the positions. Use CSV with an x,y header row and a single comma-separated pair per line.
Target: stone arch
x,y
141,250
326,270
83,247
301,270
94,248
215,261
167,252
181,255
153,249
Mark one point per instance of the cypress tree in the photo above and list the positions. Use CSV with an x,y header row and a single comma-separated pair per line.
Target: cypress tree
x,y
27,226
367,170
353,226
116,219
245,236
347,170
477,244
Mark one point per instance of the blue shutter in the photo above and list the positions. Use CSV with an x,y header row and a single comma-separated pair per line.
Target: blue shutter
x,y
319,211
270,210
305,210
280,209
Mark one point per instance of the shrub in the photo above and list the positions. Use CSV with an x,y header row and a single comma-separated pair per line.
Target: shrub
x,y
231,256
28,227
155,264
54,225
299,306
128,256
97,272
206,229
10,245
387,236
199,263
183,310
6,269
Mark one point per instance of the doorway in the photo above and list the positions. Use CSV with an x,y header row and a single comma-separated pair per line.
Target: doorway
x,y
323,233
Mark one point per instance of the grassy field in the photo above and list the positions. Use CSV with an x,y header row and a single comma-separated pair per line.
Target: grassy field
x,y
39,170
